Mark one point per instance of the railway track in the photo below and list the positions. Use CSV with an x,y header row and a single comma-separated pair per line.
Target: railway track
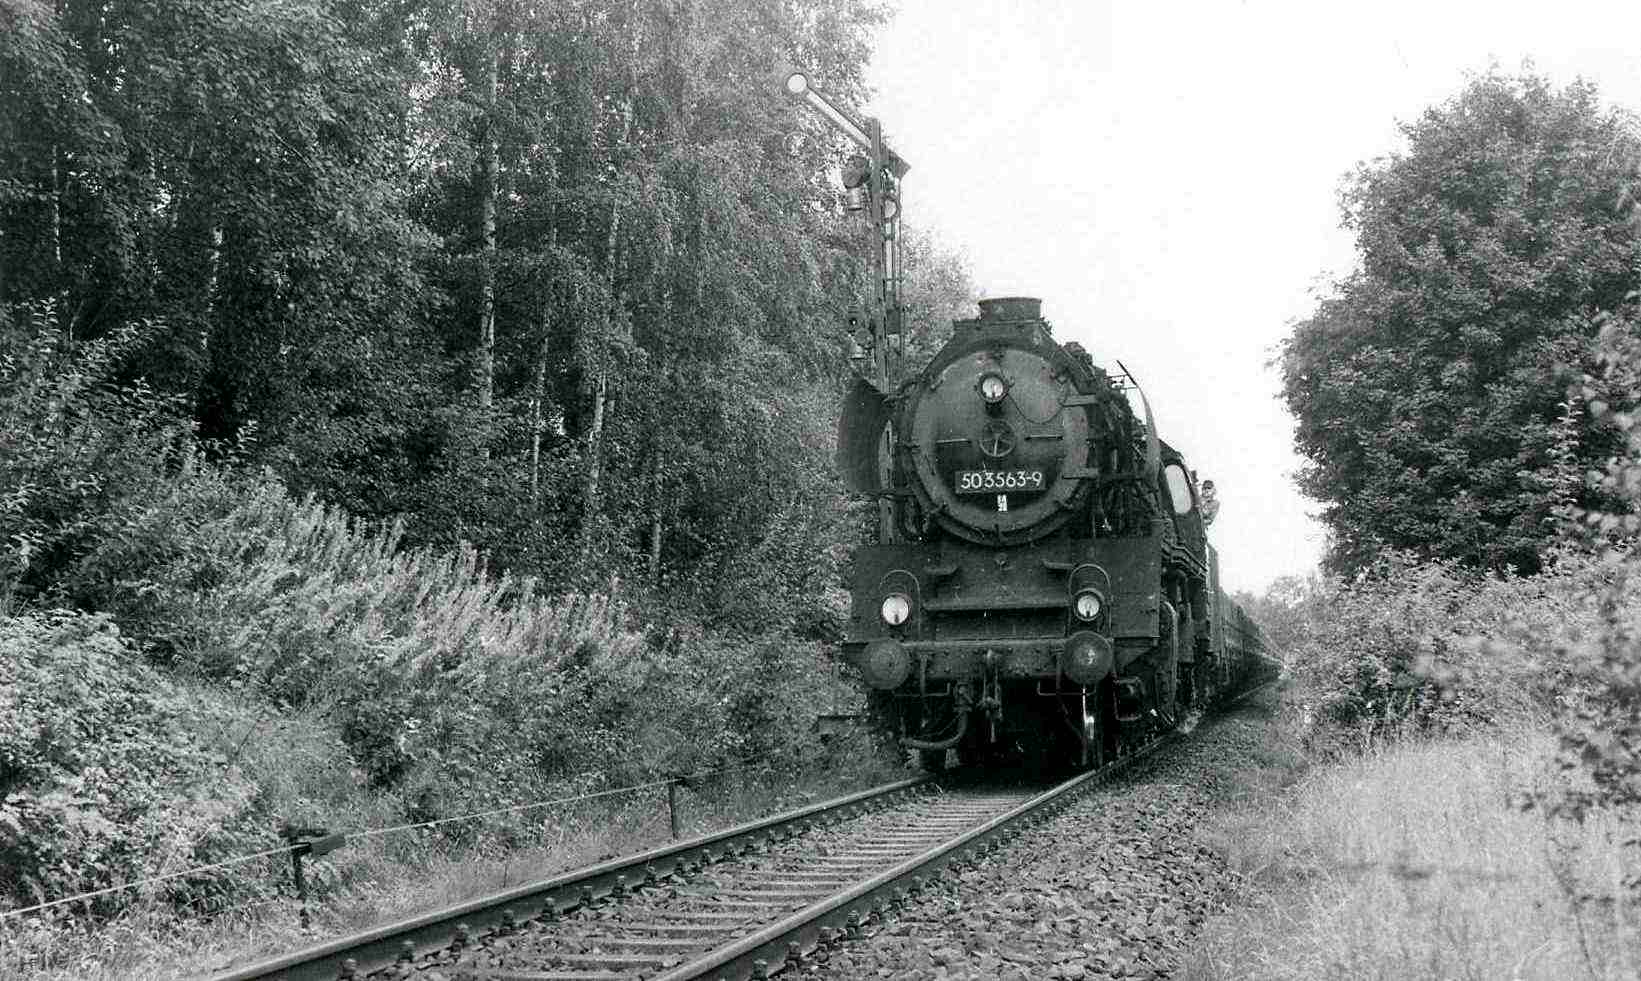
x,y
749,902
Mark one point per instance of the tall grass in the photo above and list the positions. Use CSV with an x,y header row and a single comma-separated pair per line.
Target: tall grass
x,y
230,577
1416,860
369,684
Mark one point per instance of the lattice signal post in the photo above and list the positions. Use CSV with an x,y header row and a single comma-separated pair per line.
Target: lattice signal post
x,y
872,182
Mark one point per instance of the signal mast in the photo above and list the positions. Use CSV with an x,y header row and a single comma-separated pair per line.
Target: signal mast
x,y
872,184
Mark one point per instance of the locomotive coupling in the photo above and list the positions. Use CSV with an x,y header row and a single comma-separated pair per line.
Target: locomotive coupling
x,y
962,704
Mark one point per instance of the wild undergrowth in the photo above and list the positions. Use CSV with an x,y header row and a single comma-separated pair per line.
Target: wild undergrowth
x,y
1426,648
377,879
192,659
1454,783
1444,790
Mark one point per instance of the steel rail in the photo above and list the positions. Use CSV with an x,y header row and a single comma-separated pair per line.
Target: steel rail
x,y
783,944
412,938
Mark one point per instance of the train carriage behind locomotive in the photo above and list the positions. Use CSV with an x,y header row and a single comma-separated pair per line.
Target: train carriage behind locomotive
x,y
1041,585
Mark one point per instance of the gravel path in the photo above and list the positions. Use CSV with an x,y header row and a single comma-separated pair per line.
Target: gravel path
x,y
1114,888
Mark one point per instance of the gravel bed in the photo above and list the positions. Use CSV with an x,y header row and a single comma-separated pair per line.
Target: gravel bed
x,y
1116,887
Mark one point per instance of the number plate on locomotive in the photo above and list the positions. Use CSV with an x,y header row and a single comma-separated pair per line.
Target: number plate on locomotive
x,y
998,481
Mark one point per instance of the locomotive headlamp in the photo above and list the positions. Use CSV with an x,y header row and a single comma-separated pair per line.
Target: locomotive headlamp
x,y
896,608
1088,605
993,388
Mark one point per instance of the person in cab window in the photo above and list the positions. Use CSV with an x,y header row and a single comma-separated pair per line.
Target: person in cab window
x,y
1210,502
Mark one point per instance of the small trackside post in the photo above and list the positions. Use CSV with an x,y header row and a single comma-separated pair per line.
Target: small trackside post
x,y
304,842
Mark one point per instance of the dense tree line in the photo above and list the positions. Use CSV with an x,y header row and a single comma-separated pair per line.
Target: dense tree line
x,y
1432,384
298,298
562,279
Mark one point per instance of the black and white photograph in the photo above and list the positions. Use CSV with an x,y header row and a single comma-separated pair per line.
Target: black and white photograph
x,y
720,490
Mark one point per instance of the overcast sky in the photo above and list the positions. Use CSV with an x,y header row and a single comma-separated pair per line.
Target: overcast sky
x,y
1165,177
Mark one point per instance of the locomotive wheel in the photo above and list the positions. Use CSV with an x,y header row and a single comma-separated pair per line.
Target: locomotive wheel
x,y
973,752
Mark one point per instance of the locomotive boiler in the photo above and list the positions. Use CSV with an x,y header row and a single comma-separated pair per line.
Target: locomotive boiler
x,y
1041,587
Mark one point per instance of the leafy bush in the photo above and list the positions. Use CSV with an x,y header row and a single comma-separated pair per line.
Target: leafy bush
x,y
447,683
1600,738
227,577
1423,646
76,445
106,770
1398,650
450,688
1428,383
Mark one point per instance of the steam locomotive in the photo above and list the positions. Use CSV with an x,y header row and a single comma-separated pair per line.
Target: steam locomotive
x,y
1041,587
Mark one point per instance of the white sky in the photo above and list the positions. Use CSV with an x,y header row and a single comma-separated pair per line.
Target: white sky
x,y
1165,177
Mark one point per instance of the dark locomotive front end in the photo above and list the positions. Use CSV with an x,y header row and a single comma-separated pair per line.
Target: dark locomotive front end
x,y
1041,579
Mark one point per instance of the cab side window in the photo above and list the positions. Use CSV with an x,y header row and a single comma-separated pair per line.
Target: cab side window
x,y
1179,488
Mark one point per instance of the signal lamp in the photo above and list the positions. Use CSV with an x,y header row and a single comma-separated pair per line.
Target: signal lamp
x,y
1087,605
856,171
855,174
897,607
857,354
993,388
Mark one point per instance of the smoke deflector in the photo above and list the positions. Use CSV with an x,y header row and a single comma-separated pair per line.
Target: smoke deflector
x,y
860,436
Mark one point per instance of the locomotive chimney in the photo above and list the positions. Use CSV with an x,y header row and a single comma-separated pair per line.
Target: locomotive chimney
x,y
1011,308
